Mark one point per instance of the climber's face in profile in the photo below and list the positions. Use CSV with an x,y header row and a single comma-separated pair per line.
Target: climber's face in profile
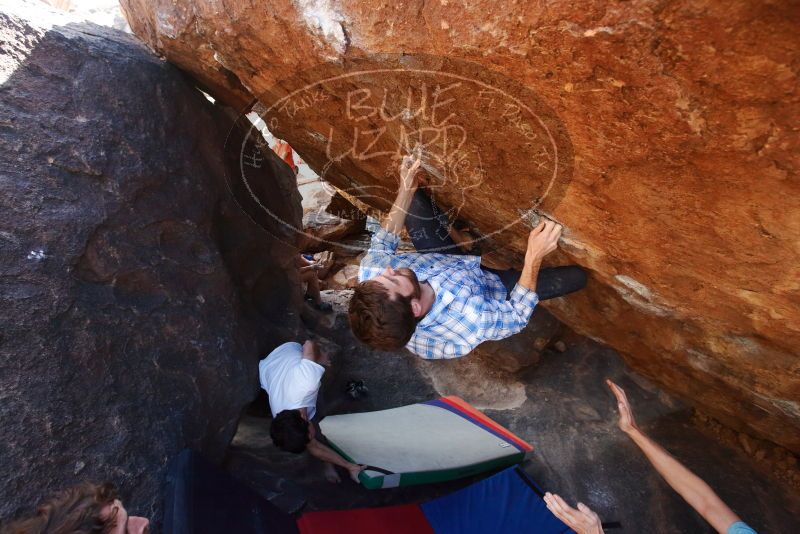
x,y
399,282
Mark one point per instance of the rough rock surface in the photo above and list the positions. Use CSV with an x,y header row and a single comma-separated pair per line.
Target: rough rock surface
x,y
668,129
568,415
122,335
346,278
325,223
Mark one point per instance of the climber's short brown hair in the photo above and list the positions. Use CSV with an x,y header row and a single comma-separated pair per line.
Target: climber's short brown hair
x,y
379,321
77,509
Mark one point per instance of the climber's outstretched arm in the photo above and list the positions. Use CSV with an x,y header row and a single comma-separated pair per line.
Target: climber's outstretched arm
x,y
692,488
408,186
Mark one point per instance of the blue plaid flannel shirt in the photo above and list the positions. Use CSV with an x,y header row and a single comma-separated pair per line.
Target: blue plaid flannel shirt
x,y
470,306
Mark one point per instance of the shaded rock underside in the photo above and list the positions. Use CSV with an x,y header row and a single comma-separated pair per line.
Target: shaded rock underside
x,y
667,129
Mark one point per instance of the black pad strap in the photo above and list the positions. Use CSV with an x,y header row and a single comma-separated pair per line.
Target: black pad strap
x,y
378,469
524,476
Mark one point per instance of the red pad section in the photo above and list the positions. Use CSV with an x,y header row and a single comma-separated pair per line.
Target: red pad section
x,y
478,416
404,519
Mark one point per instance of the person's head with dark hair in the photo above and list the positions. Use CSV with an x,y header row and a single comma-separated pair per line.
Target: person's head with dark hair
x,y
384,311
290,431
82,509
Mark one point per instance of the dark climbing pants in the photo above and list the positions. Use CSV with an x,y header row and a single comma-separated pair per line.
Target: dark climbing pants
x,y
429,229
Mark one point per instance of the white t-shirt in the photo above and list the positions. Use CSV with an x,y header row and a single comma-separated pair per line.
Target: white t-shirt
x,y
291,381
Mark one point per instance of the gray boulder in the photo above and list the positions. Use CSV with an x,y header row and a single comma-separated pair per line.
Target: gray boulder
x,y
123,335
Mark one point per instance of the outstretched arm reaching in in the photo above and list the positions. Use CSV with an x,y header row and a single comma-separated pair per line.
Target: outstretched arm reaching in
x,y
692,488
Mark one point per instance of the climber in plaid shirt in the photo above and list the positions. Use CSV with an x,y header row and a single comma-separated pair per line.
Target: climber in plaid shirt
x,y
439,302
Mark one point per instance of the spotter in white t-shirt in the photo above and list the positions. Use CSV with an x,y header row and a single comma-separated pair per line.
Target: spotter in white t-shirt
x,y
291,381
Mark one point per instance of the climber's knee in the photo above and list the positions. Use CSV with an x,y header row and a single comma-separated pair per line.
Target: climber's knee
x,y
555,282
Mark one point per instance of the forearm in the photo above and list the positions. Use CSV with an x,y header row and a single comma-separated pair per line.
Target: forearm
x,y
692,488
530,272
326,454
397,215
541,241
